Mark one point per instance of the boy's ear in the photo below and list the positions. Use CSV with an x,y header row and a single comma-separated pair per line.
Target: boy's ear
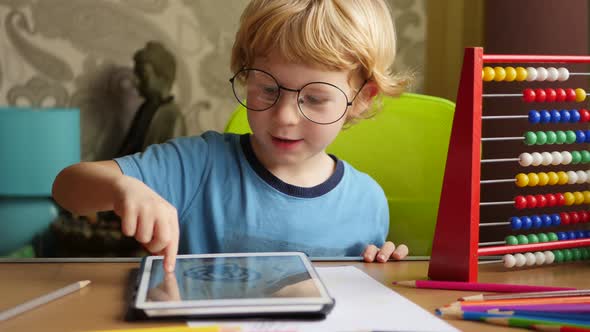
x,y
370,90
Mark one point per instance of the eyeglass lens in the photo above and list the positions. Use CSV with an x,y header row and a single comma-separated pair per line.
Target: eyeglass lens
x,y
319,102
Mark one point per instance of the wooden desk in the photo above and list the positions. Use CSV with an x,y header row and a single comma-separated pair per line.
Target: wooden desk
x,y
101,305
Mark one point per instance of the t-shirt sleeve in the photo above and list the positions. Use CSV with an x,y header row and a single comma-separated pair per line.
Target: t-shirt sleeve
x,y
174,170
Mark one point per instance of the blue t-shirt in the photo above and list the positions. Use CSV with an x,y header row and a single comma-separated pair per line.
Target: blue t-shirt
x,y
228,202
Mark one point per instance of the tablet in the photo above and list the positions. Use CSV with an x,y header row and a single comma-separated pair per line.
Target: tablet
x,y
232,285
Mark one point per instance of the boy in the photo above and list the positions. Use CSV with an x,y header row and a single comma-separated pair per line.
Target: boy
x,y
303,69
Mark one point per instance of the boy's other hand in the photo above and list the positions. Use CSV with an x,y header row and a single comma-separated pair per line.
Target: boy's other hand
x,y
149,218
372,253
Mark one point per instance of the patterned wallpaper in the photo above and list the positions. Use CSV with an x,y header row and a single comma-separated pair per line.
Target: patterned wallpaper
x,y
78,53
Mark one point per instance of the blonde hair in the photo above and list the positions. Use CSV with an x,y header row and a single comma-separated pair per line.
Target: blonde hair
x,y
355,35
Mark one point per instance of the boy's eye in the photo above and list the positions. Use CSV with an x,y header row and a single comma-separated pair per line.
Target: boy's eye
x,y
315,99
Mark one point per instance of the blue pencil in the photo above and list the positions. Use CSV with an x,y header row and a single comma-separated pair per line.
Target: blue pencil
x,y
484,316
544,314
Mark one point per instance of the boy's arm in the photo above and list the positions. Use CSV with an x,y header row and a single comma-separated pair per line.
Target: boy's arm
x,y
88,187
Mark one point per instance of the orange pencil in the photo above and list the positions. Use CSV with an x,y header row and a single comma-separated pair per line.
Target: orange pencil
x,y
549,300
527,295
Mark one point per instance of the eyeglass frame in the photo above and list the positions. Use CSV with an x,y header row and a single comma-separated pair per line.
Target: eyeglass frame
x,y
348,103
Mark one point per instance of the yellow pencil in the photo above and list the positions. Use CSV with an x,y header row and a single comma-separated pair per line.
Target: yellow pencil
x,y
19,309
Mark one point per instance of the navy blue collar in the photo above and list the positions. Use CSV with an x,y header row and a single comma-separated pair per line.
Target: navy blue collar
x,y
284,187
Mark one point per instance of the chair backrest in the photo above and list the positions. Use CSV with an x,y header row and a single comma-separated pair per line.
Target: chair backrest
x,y
404,148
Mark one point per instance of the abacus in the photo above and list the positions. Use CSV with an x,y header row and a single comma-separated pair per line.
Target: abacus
x,y
561,226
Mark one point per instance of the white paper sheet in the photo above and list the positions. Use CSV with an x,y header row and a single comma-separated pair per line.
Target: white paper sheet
x,y
362,304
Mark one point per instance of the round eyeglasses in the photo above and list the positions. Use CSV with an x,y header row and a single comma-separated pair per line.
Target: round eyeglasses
x,y
319,102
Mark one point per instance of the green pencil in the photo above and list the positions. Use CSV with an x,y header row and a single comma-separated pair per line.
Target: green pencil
x,y
528,322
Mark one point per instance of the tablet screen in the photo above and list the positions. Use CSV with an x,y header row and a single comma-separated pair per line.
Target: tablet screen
x,y
220,278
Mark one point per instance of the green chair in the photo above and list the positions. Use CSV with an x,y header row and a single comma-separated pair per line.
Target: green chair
x,y
404,148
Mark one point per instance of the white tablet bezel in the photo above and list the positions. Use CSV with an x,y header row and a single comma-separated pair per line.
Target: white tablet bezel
x,y
141,303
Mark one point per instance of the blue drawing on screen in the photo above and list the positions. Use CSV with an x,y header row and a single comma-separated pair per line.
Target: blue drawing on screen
x,y
222,272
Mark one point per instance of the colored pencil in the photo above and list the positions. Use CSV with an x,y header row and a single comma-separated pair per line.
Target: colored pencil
x,y
558,328
527,295
483,316
549,300
527,322
474,286
21,308
571,308
548,314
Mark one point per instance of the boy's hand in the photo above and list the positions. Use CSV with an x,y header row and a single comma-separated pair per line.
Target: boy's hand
x,y
382,255
148,218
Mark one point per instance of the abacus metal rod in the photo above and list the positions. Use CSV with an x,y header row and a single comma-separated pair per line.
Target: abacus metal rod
x,y
488,139
500,250
496,203
487,224
497,117
512,58
496,181
488,95
492,243
483,161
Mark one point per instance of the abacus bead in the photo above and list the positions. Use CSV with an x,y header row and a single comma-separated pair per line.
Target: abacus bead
x,y
549,257
553,178
520,259
561,95
578,197
552,236
566,157
537,158
576,254
555,219
574,116
567,255
556,158
541,74
558,255
551,137
547,158
584,216
544,179
562,74
565,116
545,116
565,218
530,138
570,94
546,220
585,253
541,201
540,95
584,115
550,95
522,180
533,179
511,240
534,117
576,157
528,95
580,95
562,177
522,239
530,258
520,202
515,223
488,74
580,234
570,136
569,198
539,258
562,236
587,197
555,116
531,201
572,235
543,237
561,136
587,132
509,261
521,74
499,74
582,177
574,217
531,74
552,74
525,159
510,74
580,136
560,198
533,238
572,177
526,222
537,222
585,156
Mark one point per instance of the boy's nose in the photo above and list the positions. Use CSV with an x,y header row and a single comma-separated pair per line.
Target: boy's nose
x,y
286,110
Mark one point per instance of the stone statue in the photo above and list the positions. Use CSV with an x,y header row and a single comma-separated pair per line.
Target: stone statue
x,y
158,119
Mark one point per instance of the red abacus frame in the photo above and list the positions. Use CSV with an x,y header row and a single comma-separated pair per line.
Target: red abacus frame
x,y
455,249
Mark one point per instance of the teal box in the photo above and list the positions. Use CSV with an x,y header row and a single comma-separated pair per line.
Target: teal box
x,y
35,144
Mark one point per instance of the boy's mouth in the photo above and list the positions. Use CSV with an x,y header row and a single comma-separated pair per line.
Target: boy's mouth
x,y
286,143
